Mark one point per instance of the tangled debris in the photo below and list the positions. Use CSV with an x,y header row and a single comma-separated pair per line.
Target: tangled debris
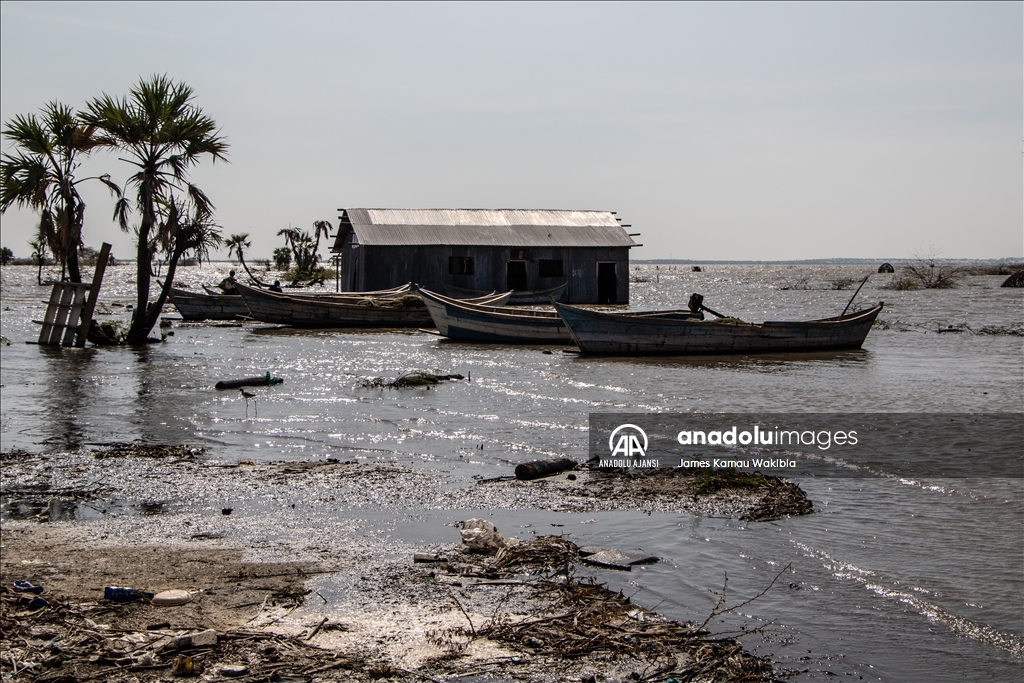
x,y
1013,329
138,449
412,379
768,497
66,642
573,618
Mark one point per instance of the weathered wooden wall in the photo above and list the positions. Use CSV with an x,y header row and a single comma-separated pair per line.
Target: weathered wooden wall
x,y
381,267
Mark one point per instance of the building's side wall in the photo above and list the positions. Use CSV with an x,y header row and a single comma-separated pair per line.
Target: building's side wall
x,y
383,267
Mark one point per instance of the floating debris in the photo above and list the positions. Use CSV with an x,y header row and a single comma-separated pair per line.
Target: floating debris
x,y
264,380
412,379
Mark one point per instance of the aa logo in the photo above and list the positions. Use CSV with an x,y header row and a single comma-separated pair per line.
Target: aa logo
x,y
628,443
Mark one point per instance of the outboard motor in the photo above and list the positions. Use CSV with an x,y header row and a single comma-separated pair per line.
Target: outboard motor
x,y
696,302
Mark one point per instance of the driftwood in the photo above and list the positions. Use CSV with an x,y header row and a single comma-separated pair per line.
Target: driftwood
x,y
262,381
536,469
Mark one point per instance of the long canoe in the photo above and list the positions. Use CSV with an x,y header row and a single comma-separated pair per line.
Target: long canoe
x,y
282,309
392,293
616,334
540,296
196,306
466,321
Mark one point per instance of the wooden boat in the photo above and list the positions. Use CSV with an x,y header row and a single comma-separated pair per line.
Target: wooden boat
x,y
466,321
284,309
616,334
540,296
392,293
197,306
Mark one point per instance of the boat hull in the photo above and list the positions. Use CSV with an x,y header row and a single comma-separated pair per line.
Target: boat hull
x,y
195,306
457,320
542,296
611,334
282,309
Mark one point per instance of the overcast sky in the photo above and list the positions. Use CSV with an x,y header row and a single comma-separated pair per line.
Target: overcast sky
x,y
719,131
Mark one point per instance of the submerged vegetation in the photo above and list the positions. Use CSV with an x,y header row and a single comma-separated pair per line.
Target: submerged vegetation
x,y
926,272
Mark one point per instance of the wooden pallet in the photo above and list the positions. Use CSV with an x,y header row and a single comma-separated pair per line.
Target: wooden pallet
x,y
70,308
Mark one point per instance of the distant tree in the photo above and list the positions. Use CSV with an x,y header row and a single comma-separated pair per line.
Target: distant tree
x,y
38,247
237,244
304,248
282,258
162,134
40,174
6,256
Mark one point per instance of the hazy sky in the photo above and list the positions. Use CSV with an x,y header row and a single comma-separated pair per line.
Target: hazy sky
x,y
719,131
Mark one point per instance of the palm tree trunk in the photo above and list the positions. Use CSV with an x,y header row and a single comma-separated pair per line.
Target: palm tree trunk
x,y
157,307
249,272
141,325
77,219
74,273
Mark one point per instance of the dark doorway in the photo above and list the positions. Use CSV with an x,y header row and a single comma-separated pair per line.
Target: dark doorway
x,y
516,276
607,283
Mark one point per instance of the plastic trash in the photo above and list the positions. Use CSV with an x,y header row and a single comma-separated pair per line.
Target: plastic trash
x,y
205,638
233,670
186,666
124,594
171,598
32,603
22,586
479,534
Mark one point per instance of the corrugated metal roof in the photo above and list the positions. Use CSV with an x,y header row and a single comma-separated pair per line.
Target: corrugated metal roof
x,y
487,227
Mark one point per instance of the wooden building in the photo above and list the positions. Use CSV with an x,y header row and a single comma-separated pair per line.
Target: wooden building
x,y
447,250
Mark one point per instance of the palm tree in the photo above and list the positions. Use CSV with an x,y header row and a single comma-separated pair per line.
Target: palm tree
x,y
236,244
162,134
303,246
38,247
193,231
40,175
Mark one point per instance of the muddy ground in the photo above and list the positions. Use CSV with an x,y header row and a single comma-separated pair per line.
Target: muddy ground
x,y
152,517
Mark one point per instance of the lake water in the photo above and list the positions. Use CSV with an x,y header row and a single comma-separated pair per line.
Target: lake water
x,y
890,579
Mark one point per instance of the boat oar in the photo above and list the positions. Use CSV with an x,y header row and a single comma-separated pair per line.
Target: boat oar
x,y
850,302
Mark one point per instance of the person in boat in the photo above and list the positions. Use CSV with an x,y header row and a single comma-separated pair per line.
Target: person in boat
x,y
227,285
276,287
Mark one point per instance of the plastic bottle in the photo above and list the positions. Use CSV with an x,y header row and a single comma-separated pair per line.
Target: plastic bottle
x,y
124,594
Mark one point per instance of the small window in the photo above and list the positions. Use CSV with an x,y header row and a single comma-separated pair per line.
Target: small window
x,y
551,268
460,265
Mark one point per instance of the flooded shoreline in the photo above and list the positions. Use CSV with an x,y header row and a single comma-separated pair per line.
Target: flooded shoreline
x,y
108,503
882,576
